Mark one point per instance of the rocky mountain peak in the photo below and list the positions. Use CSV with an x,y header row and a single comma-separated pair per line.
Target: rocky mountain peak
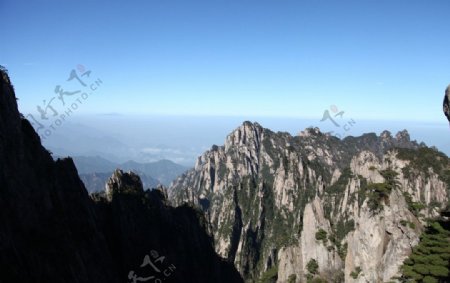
x,y
123,182
402,137
311,131
248,134
277,202
386,135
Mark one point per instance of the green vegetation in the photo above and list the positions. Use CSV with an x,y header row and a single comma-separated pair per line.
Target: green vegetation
x,y
372,168
422,159
222,171
266,175
434,205
246,191
342,250
282,227
312,267
362,193
333,197
379,192
340,230
292,278
390,177
339,186
285,164
413,206
271,150
355,273
430,259
320,170
321,235
313,270
429,279
407,223
270,276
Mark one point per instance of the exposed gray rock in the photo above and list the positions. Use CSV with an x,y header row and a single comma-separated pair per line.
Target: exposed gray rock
x,y
269,193
121,182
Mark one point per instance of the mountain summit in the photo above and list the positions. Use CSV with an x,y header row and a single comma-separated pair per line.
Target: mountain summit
x,y
288,208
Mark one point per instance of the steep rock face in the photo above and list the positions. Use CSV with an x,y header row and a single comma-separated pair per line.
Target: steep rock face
x,y
228,182
49,231
313,220
274,200
123,183
52,231
381,241
141,223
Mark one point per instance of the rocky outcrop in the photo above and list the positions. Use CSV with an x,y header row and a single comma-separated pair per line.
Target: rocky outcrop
x,y
120,183
95,182
52,231
356,206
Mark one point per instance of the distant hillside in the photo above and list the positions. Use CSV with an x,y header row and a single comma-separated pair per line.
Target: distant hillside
x,y
163,171
93,164
95,182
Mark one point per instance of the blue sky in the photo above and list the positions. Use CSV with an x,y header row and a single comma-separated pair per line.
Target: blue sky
x,y
386,60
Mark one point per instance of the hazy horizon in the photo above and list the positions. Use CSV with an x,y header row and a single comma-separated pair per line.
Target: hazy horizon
x,y
187,73
182,139
375,60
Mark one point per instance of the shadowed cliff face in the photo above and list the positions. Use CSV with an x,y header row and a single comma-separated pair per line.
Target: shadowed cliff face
x,y
52,231
447,103
49,229
141,223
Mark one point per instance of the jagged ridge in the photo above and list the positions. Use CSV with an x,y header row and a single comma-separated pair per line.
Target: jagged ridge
x,y
266,195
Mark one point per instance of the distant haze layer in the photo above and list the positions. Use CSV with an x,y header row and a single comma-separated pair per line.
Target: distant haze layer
x,y
182,139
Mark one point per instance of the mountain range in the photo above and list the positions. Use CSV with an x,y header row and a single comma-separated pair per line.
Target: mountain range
x,y
264,207
313,207
95,171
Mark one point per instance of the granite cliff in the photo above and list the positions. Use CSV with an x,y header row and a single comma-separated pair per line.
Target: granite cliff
x,y
295,208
